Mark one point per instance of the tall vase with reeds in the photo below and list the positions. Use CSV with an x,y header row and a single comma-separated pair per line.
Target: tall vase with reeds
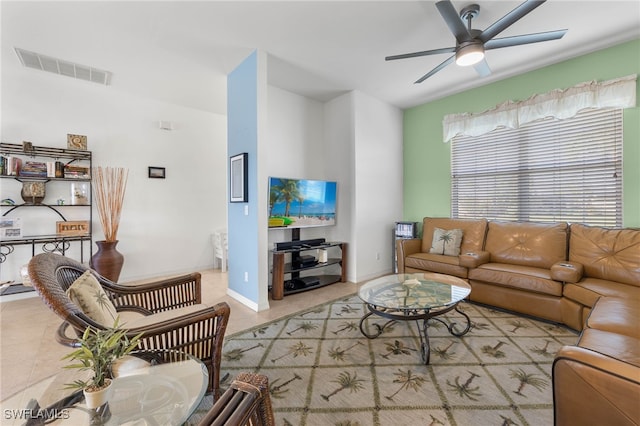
x,y
109,185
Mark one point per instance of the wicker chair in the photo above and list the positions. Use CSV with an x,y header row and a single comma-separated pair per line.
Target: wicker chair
x,y
246,402
181,321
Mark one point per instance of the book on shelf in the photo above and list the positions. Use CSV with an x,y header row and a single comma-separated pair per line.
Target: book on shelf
x,y
12,165
76,172
34,169
51,169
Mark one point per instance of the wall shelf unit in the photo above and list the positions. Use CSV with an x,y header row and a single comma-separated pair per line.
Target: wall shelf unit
x,y
51,226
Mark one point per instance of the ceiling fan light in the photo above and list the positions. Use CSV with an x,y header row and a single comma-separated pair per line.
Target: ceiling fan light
x,y
469,54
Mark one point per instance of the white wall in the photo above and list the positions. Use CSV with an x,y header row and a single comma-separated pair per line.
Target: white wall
x,y
378,183
166,224
355,140
338,160
296,148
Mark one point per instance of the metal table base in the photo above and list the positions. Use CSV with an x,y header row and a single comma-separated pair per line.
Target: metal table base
x,y
421,317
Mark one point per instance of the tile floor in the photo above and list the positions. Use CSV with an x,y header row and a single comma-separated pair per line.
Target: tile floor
x,y
29,352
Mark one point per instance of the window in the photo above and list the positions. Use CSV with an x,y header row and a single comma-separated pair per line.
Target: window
x,y
546,171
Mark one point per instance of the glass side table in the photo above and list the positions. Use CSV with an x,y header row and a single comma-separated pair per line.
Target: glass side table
x,y
151,387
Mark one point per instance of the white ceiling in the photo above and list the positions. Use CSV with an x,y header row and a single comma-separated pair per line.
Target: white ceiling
x,y
181,51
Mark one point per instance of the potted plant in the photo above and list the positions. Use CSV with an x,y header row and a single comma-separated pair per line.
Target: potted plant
x,y
109,185
98,349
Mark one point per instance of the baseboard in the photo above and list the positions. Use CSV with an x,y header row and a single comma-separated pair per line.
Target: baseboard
x,y
369,277
17,296
240,298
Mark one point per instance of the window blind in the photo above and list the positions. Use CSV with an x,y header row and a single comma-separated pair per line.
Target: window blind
x,y
546,171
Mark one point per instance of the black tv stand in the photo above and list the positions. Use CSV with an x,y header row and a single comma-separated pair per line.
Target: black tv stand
x,y
292,268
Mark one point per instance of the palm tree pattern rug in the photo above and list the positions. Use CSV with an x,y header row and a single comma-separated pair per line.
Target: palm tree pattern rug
x,y
323,371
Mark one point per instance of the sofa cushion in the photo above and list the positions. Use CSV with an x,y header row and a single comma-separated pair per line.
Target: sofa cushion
x,y
436,263
616,315
538,245
608,254
536,280
587,291
446,241
88,294
473,231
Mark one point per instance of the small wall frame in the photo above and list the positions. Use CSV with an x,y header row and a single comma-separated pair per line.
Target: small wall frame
x,y
238,178
157,172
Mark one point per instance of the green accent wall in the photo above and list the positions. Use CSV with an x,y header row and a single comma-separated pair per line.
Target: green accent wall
x,y
427,158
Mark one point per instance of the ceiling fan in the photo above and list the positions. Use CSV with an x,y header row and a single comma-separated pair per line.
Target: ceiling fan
x,y
472,43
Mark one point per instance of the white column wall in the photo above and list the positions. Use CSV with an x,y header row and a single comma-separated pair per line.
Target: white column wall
x,y
378,183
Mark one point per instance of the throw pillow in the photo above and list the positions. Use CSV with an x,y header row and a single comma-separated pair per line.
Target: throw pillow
x,y
446,241
88,294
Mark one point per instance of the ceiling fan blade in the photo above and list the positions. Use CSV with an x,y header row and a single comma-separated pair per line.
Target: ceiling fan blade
x,y
498,43
482,68
509,19
436,69
452,18
422,53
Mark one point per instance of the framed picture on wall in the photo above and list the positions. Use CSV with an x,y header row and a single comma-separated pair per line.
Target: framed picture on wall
x,y
157,172
238,184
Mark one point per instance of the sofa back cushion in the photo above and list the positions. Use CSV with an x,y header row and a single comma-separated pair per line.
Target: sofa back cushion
x,y
608,254
473,232
538,245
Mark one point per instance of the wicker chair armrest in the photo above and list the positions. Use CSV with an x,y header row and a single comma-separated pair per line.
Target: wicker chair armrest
x,y
77,322
246,402
199,333
63,338
157,296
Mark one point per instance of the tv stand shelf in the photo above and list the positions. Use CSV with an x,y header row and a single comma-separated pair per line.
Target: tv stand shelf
x,y
289,268
296,284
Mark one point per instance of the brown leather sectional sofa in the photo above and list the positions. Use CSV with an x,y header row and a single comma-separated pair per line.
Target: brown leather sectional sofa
x,y
587,278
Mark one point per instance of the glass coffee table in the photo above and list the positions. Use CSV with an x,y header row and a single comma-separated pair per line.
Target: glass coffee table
x,y
414,297
159,387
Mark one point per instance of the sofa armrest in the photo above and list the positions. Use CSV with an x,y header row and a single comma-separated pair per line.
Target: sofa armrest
x,y
591,388
567,271
409,246
404,248
474,259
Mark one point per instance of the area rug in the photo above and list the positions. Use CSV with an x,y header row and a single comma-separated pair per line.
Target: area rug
x,y
323,371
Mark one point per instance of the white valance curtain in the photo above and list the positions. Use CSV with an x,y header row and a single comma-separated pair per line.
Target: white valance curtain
x,y
560,104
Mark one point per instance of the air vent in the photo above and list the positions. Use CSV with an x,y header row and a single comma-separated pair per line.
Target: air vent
x,y
59,66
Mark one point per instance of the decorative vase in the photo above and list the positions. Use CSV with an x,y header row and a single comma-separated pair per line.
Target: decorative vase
x,y
97,398
108,261
33,192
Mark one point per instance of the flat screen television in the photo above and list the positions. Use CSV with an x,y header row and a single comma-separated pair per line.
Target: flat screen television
x,y
301,203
